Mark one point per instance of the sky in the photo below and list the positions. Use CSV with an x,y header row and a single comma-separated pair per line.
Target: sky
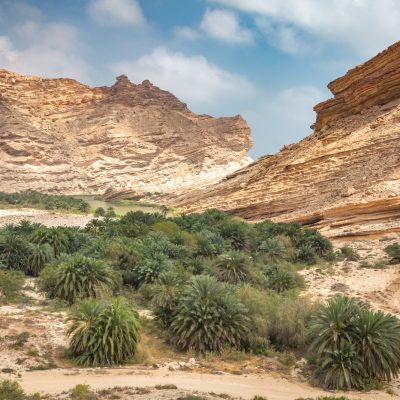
x,y
267,60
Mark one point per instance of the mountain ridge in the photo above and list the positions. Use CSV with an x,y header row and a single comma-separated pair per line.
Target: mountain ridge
x,y
343,176
58,135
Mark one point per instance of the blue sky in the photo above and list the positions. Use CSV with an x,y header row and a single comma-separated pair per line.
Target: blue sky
x,y
268,60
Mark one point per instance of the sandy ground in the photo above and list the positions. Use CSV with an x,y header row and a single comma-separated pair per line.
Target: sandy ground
x,y
274,388
379,287
44,331
48,218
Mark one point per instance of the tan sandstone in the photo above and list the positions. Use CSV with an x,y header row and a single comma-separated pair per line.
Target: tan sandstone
x,y
61,136
344,178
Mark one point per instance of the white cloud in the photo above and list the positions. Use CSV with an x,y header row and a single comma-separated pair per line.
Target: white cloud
x,y
283,37
191,78
224,25
117,12
49,52
34,46
186,33
284,117
364,26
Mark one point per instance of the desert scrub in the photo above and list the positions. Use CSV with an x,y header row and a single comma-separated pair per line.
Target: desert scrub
x,y
349,254
11,390
33,199
82,392
394,252
11,283
103,334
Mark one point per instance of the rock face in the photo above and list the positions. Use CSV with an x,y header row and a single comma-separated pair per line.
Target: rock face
x,y
58,135
345,177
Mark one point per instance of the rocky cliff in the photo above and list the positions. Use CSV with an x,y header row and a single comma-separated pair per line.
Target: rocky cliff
x,y
345,177
58,135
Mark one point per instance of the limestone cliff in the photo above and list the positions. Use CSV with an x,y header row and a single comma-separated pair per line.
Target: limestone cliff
x,y
345,177
58,135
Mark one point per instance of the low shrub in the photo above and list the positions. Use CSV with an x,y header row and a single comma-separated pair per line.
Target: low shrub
x,y
349,254
11,390
82,392
11,283
394,252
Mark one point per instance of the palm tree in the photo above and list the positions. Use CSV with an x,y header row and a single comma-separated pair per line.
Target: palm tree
x,y
282,280
354,344
333,326
272,249
80,277
342,368
14,251
39,255
165,295
54,236
208,317
378,340
103,334
233,267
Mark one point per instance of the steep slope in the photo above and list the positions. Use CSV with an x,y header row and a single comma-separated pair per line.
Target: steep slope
x,y
59,135
345,177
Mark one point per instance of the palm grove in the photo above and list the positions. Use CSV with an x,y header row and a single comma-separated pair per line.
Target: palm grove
x,y
212,281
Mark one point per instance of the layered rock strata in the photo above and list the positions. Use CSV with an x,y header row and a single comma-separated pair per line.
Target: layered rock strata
x,y
345,177
58,135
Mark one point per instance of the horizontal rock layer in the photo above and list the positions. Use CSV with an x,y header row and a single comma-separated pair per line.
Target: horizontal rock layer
x,y
58,135
343,178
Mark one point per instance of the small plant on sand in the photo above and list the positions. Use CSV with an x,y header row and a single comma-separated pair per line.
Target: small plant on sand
x,y
82,392
393,251
11,390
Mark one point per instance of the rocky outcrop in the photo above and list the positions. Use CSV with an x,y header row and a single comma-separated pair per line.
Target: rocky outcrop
x,y
58,135
345,177
375,82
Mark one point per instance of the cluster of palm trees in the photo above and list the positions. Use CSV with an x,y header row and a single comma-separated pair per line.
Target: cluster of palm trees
x,y
213,281
353,344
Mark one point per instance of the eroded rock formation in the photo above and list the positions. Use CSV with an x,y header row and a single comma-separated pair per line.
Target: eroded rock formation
x,y
345,177
58,135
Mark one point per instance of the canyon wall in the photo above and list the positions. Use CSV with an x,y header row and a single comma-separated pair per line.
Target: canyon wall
x,y
344,178
60,136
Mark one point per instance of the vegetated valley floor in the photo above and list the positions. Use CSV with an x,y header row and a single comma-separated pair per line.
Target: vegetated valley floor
x,y
31,357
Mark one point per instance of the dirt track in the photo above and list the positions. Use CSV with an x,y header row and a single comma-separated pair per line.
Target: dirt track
x,y
245,386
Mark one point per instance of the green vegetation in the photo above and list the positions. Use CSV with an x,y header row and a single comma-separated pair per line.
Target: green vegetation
x,y
78,277
103,333
349,254
208,317
394,252
214,283
11,283
353,345
82,392
33,199
11,390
